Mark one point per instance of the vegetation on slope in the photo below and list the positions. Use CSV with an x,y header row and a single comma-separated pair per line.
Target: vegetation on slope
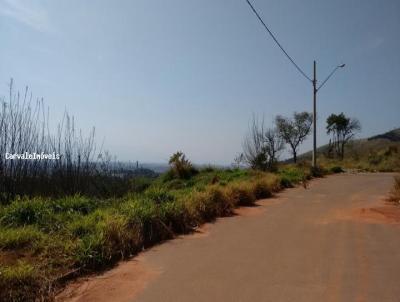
x,y
45,241
395,192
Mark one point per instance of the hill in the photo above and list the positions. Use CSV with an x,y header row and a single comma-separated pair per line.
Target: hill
x,y
376,153
393,136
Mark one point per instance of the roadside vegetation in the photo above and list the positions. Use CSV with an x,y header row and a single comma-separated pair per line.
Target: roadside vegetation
x,y
394,196
46,241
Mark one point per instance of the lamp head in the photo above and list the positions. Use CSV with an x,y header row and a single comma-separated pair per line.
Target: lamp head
x,y
343,65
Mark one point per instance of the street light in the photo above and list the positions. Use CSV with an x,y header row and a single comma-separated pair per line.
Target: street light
x,y
316,89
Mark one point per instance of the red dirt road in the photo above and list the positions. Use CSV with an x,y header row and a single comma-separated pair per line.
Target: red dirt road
x,y
334,241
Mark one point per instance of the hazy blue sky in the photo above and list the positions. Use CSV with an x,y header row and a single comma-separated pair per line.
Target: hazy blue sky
x,y
156,76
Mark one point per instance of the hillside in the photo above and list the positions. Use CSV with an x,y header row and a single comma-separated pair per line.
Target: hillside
x,y
379,152
393,136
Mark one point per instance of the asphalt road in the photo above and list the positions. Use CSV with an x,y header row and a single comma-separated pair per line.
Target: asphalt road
x,y
334,241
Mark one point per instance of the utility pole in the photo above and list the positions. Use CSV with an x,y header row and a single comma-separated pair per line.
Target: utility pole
x,y
314,81
314,154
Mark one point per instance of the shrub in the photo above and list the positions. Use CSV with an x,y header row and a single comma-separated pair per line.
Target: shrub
x,y
103,239
143,214
317,172
261,189
208,204
293,175
241,194
286,182
336,169
181,167
174,216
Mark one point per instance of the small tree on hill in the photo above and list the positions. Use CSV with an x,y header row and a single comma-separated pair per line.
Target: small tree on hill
x,y
342,129
294,130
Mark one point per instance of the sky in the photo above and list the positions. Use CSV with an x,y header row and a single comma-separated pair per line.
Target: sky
x,y
156,76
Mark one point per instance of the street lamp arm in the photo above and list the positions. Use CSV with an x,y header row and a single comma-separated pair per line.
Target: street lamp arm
x,y
329,76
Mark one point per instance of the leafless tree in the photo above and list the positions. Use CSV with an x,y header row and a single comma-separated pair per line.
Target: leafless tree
x,y
261,146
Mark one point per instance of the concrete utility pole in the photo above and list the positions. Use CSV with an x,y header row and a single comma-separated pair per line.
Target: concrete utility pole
x,y
315,90
314,153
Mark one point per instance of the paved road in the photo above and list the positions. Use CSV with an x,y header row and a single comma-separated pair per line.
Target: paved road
x,y
323,243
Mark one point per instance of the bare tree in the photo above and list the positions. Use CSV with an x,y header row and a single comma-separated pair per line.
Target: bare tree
x,y
294,130
275,145
342,129
261,146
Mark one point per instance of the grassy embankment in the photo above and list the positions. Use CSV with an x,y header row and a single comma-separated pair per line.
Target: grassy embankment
x,y
378,155
395,192
44,242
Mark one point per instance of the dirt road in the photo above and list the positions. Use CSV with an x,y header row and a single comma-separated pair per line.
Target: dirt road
x,y
334,241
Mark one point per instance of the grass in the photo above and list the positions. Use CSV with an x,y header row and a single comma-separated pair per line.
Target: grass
x,y
368,156
78,235
21,237
20,282
395,192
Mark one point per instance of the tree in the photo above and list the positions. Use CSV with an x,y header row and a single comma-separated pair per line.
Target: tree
x,y
262,146
294,130
342,129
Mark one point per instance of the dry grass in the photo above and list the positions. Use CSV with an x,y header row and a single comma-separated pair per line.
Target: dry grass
x,y
395,192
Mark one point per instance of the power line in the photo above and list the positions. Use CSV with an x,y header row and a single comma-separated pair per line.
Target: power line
x,y
276,41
